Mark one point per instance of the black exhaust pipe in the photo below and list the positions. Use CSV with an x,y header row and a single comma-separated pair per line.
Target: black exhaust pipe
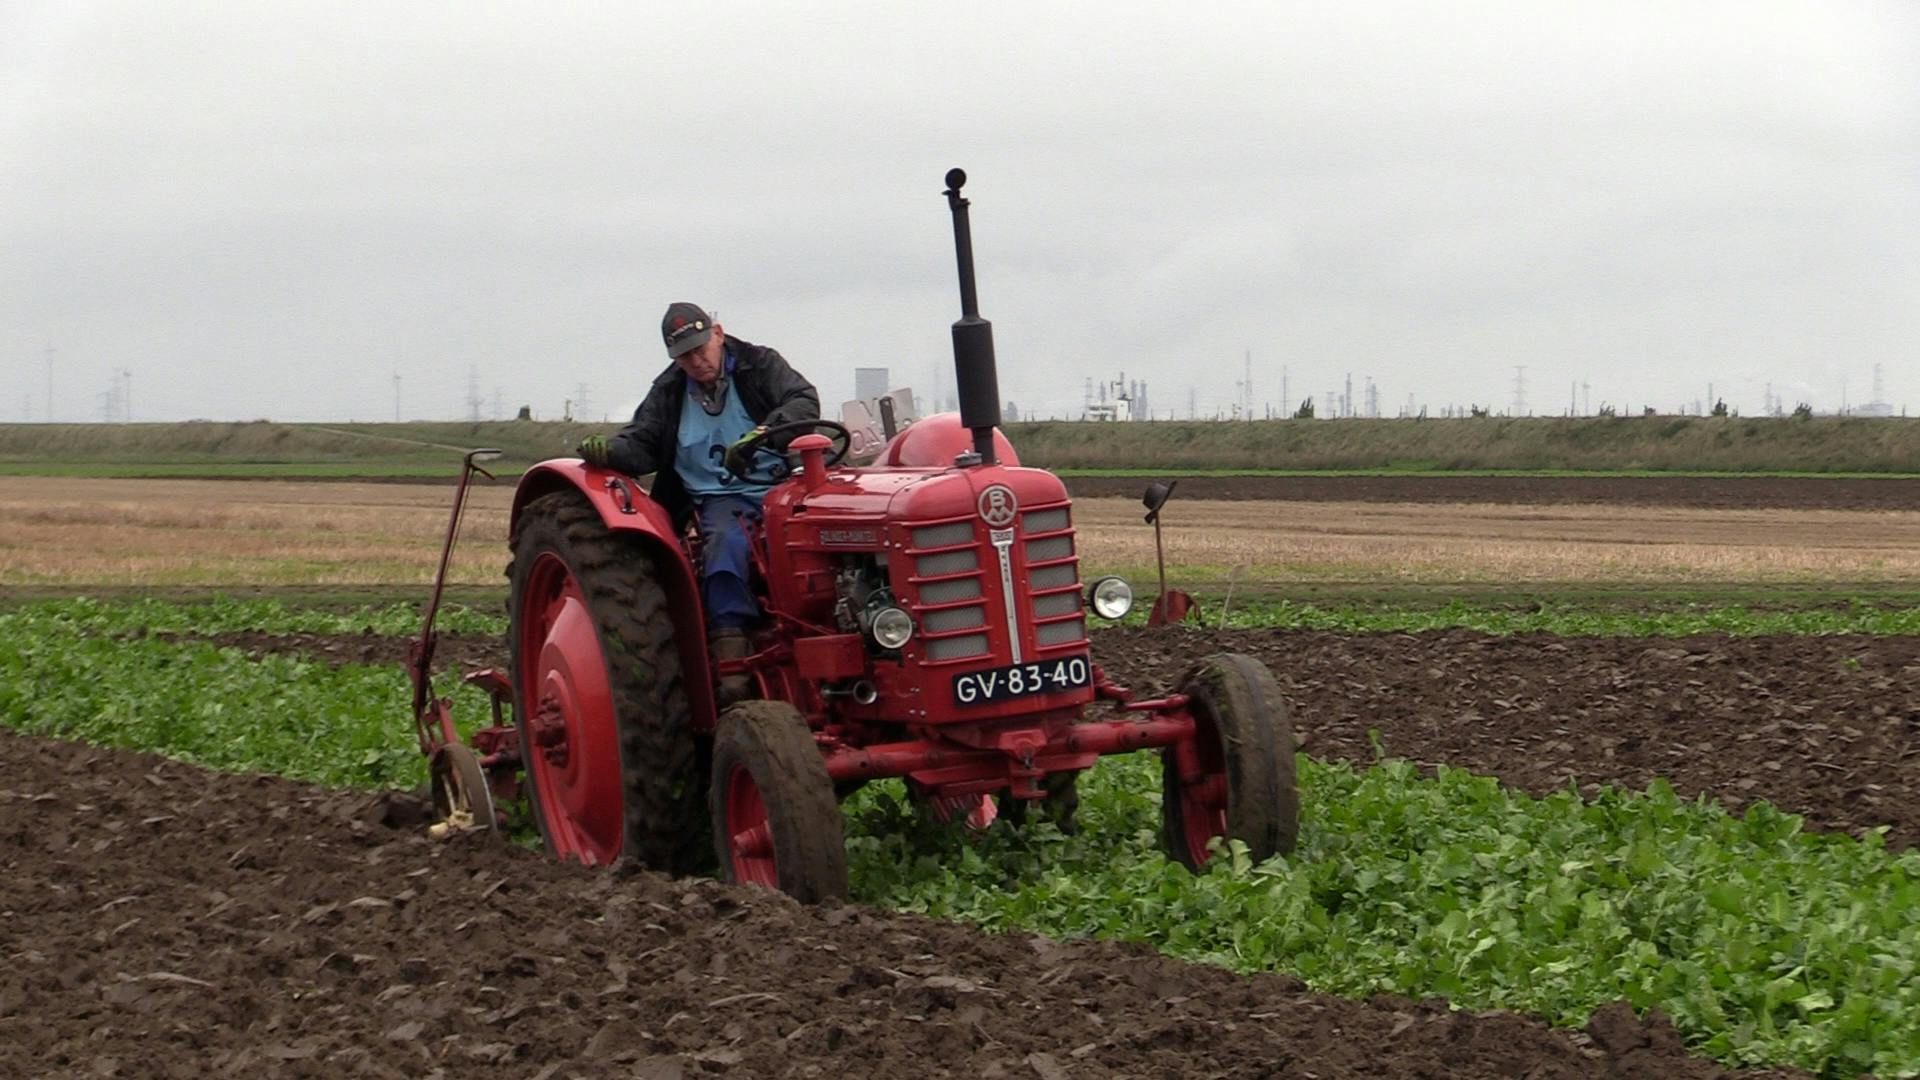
x,y
973,370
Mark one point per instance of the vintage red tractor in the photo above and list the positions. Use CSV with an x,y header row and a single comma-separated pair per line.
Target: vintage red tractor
x,y
926,620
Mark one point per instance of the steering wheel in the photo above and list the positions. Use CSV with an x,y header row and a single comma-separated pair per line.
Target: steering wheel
x,y
741,462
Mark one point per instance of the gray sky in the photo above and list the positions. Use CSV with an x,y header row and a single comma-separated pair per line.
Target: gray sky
x,y
265,210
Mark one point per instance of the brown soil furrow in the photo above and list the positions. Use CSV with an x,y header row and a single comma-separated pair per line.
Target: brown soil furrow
x,y
161,920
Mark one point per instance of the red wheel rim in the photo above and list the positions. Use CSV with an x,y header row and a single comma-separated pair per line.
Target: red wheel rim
x,y
575,763
749,835
1203,801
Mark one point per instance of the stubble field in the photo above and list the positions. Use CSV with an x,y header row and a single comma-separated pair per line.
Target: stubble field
x,y
93,532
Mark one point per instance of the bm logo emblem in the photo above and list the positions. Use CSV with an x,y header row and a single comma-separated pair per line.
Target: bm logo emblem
x,y
998,506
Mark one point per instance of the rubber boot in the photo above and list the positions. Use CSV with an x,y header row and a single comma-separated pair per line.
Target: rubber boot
x,y
731,644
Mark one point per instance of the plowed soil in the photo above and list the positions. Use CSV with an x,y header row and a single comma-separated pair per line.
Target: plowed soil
x,y
161,921
1828,727
1704,492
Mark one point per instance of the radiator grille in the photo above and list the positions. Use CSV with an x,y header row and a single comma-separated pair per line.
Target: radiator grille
x,y
956,648
947,592
933,536
1054,577
1040,521
1059,633
966,618
1046,598
948,562
1053,547
1065,603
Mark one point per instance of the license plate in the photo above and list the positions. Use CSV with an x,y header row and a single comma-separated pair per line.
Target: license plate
x,y
1022,680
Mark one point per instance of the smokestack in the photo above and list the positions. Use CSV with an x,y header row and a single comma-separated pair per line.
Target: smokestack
x,y
973,368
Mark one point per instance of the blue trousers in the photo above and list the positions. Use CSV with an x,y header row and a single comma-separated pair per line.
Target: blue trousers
x,y
724,561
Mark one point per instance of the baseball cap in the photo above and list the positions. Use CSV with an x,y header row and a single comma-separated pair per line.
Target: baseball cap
x,y
685,328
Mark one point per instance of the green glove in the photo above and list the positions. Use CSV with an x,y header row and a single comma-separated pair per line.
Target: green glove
x,y
739,457
596,450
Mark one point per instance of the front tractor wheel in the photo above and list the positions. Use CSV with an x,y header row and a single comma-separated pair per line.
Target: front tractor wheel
x,y
606,734
775,820
1235,777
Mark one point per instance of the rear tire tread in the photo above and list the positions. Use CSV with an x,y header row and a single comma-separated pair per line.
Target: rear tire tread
x,y
662,787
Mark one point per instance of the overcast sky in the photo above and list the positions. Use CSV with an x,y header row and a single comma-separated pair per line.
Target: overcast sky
x,y
269,209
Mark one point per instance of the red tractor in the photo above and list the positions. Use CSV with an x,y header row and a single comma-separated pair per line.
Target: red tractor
x,y
926,620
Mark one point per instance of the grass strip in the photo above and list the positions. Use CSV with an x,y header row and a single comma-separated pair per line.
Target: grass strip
x,y
1766,944
221,614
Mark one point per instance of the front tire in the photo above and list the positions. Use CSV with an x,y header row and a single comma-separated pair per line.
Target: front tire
x,y
775,820
606,732
1235,777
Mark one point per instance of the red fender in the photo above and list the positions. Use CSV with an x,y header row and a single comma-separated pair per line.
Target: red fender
x,y
627,509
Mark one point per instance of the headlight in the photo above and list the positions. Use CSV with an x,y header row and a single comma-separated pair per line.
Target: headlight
x,y
1110,597
890,627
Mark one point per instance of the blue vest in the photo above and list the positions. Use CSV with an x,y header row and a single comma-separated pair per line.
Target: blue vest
x,y
703,442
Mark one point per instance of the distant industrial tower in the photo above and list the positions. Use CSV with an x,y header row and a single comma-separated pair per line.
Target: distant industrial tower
x,y
1520,390
1879,405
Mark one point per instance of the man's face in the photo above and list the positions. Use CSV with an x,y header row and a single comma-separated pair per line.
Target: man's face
x,y
704,364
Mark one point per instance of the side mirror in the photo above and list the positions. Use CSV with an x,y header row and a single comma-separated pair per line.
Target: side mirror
x,y
1156,496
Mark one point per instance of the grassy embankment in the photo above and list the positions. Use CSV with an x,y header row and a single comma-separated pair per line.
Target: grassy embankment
x,y
1626,445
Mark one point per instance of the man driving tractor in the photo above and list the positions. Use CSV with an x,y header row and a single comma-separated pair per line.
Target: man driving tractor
x,y
695,430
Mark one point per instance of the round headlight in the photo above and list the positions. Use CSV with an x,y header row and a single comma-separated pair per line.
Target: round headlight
x,y
1110,597
891,627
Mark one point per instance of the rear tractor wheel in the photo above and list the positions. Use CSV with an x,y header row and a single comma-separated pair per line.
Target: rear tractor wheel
x,y
606,733
1235,777
775,820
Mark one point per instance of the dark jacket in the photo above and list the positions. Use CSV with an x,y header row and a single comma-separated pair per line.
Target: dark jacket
x,y
771,391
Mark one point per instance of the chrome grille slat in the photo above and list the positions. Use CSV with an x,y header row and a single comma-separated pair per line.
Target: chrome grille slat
x,y
1053,577
966,618
947,562
1065,603
933,536
1039,521
947,592
1053,547
956,648
1059,633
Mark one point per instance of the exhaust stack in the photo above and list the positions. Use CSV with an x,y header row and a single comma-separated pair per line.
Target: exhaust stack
x,y
974,374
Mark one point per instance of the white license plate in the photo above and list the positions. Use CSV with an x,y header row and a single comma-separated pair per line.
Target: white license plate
x,y
1022,680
